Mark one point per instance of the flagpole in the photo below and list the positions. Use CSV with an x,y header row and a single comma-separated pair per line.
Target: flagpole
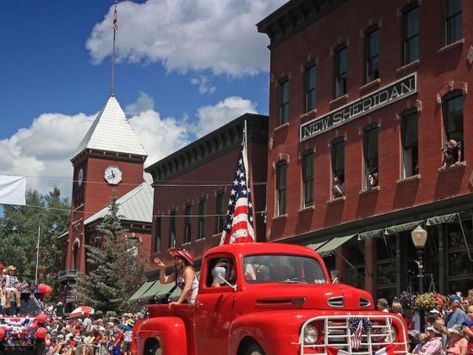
x,y
37,256
249,172
114,25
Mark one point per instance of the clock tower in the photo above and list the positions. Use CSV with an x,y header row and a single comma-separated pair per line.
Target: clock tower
x,y
108,163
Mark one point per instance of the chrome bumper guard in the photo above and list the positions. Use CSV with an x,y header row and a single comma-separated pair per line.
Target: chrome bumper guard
x,y
336,334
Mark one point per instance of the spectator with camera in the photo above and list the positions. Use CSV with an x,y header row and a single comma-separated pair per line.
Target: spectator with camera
x,y
452,153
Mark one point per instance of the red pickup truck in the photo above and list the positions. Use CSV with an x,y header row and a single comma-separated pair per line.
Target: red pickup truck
x,y
273,299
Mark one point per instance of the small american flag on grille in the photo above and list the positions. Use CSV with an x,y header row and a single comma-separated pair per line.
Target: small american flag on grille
x,y
239,223
356,336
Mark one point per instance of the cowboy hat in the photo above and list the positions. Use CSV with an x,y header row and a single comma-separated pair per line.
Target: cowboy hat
x,y
11,268
183,253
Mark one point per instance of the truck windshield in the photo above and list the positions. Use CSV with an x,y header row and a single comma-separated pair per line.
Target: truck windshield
x,y
282,268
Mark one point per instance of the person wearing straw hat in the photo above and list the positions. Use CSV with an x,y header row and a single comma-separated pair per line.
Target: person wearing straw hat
x,y
184,275
458,345
11,281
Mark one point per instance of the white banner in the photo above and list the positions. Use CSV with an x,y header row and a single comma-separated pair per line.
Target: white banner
x,y
12,190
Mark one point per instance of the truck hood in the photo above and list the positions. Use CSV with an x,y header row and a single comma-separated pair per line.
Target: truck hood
x,y
310,296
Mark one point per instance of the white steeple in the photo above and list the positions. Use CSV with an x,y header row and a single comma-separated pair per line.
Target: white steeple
x,y
111,132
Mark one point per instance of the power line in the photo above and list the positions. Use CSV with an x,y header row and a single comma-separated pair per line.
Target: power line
x,y
157,215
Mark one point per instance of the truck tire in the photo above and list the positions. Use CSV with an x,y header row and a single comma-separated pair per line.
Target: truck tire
x,y
40,348
253,349
154,349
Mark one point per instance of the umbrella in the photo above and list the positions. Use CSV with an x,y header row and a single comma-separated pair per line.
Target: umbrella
x,y
81,311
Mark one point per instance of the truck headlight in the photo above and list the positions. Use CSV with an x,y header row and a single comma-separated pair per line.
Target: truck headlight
x,y
310,334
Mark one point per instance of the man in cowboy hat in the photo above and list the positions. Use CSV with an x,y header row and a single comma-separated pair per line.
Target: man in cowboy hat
x,y
11,281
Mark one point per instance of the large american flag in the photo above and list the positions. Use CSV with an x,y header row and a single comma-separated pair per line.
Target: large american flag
x,y
239,223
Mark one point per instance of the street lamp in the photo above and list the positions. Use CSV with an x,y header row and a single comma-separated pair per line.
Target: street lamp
x,y
419,238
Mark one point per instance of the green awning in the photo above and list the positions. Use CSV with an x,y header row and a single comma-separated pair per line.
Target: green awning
x,y
371,234
446,218
136,296
315,246
329,247
402,227
157,289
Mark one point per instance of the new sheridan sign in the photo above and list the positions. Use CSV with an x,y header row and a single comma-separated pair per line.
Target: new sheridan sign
x,y
387,95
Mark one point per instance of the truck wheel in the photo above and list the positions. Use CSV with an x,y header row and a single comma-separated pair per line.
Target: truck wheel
x,y
253,349
154,349
40,348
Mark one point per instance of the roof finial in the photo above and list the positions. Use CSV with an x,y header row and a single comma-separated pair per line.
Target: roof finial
x,y
115,27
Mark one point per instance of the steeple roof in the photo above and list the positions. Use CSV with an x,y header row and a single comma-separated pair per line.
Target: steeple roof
x,y
111,132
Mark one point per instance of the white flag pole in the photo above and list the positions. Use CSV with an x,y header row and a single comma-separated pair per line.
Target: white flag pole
x,y
37,256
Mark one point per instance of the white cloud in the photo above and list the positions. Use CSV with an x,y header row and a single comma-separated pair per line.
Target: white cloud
x,y
42,152
159,136
215,35
205,86
212,117
144,103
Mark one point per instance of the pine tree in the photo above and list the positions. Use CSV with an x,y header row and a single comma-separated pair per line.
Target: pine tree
x,y
114,271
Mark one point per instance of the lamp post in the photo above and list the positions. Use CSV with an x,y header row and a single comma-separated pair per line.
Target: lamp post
x,y
419,238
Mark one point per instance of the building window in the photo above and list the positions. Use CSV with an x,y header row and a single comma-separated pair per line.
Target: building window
x,y
157,235
410,144
387,267
310,80
411,34
338,167
341,67
308,179
283,102
202,215
453,127
281,188
355,276
187,224
453,21
370,150
453,116
372,55
172,229
220,212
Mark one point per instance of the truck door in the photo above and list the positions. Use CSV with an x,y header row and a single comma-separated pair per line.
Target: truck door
x,y
216,306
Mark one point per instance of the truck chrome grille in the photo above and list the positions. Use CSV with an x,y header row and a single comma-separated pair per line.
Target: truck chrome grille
x,y
335,332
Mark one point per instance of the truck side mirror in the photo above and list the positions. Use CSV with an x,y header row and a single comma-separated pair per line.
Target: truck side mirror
x,y
334,276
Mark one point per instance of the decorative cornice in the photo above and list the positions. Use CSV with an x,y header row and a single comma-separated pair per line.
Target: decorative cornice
x,y
294,16
210,146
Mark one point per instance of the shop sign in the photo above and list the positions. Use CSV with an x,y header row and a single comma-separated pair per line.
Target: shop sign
x,y
387,95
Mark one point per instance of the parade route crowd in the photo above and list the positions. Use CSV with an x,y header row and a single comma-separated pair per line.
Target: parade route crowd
x,y
87,336
438,324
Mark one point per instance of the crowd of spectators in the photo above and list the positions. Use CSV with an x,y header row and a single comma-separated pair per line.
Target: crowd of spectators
x,y
444,328
87,336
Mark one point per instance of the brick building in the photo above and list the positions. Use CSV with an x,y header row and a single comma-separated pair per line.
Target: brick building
x,y
362,99
107,164
192,188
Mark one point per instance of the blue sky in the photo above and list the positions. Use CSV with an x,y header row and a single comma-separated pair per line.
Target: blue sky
x,y
184,67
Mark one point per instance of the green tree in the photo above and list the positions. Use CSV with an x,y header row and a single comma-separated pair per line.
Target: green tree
x,y
115,271
46,215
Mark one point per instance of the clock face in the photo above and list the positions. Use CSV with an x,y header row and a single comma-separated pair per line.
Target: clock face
x,y
80,177
113,175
